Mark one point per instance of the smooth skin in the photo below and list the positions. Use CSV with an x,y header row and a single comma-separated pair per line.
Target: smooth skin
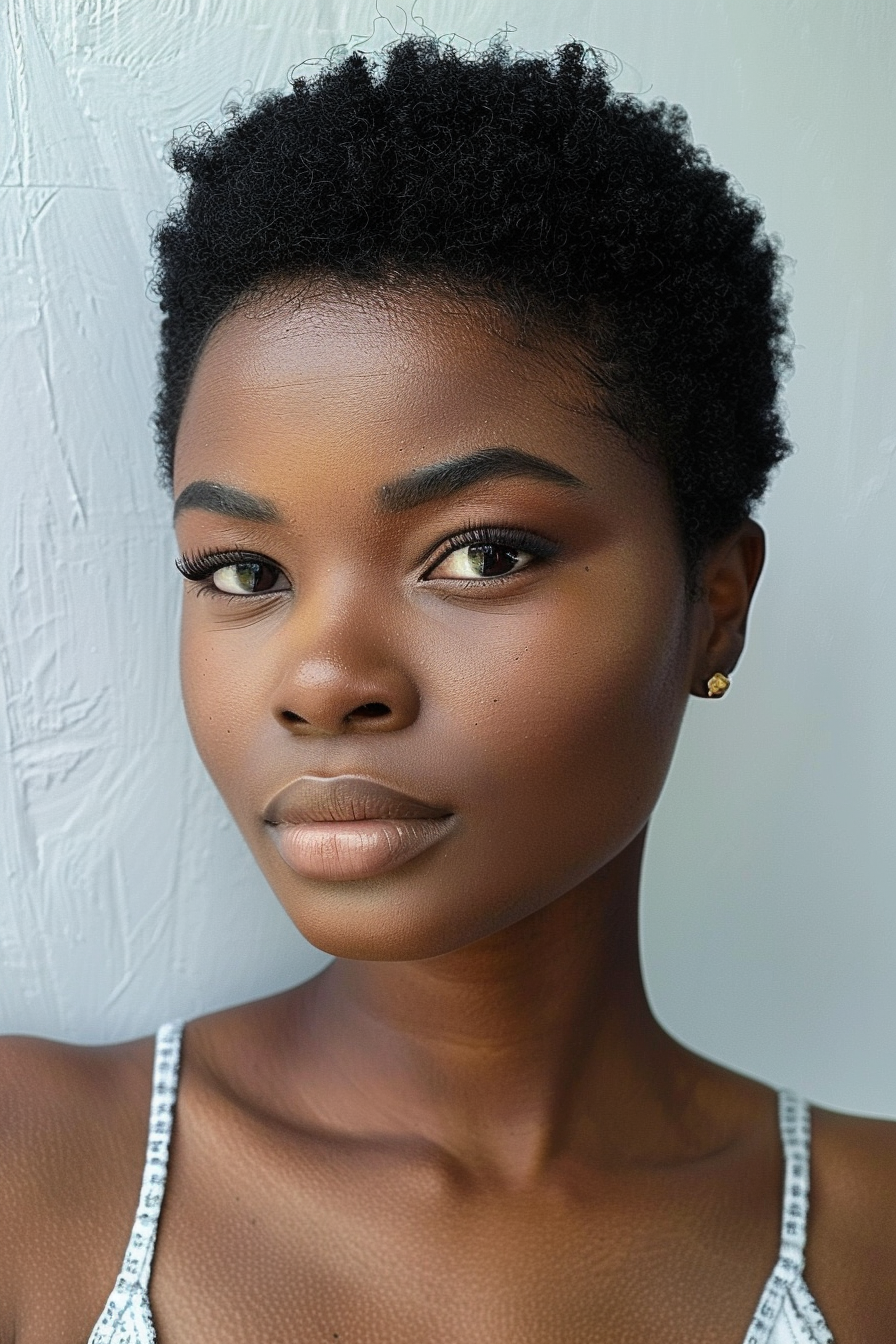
x,y
469,1128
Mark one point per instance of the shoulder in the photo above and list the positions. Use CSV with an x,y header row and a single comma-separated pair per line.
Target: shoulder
x,y
55,1096
72,1133
854,1176
852,1229
40,1070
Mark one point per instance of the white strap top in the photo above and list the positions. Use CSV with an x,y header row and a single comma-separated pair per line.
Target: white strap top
x,y
787,1313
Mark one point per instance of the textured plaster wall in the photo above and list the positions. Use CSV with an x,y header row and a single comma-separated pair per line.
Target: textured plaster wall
x,y
125,894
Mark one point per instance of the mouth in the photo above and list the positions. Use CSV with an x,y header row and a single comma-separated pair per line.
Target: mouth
x,y
345,827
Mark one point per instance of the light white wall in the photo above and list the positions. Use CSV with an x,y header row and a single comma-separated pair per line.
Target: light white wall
x,y
125,894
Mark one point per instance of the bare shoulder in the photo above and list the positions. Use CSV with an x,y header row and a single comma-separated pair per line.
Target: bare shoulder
x,y
854,1173
55,1084
72,1131
852,1232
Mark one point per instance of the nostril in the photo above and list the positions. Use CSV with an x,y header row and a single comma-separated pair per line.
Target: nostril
x,y
374,709
290,717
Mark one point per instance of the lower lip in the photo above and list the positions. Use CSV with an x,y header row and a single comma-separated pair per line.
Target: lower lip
x,y
343,851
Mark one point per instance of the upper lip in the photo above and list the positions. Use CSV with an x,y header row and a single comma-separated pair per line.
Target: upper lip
x,y
344,798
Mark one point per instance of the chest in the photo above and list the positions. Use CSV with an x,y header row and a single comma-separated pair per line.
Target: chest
x,y
376,1248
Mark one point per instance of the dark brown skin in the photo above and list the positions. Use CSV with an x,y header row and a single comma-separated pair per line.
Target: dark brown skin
x,y
470,1128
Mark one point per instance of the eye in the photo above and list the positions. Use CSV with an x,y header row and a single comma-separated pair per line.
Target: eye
x,y
247,577
233,573
479,555
484,560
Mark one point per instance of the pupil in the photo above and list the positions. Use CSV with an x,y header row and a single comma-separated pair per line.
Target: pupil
x,y
491,560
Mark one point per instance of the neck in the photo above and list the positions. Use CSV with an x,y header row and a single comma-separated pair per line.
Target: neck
x,y
505,1052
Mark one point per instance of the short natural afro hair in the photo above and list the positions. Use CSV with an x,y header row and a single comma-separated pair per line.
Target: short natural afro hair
x,y
529,180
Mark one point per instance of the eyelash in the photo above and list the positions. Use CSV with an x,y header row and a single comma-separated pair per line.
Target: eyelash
x,y
199,567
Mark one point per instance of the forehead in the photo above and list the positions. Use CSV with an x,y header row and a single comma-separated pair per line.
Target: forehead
x,y
385,382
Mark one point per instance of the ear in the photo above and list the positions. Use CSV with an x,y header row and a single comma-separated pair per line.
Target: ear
x,y
730,574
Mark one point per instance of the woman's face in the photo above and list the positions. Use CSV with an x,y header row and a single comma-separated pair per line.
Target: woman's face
x,y
505,641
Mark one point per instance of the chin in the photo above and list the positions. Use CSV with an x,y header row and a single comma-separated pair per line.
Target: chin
x,y
362,921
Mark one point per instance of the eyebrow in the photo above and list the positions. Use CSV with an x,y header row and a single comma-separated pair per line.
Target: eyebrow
x,y
442,479
213,497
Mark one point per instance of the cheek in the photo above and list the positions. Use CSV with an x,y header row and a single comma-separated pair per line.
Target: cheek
x,y
222,693
564,723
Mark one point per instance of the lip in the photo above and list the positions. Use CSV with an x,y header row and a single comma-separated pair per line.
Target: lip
x,y
345,827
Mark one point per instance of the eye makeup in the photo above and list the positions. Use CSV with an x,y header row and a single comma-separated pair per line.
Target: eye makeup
x,y
251,574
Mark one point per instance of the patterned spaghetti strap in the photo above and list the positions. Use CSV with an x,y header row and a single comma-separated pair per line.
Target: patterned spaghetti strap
x,y
127,1318
787,1310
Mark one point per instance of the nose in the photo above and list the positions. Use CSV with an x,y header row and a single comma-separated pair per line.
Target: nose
x,y
324,695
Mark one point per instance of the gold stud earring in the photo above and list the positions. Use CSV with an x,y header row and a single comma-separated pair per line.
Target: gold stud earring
x,y
717,685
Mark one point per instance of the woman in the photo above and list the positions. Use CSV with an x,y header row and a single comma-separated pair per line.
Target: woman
x,y
469,385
